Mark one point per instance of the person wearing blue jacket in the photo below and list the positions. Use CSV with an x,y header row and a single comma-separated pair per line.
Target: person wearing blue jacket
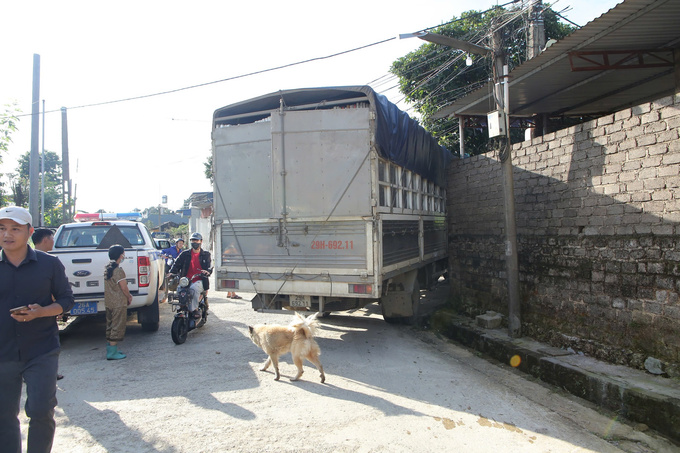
x,y
174,251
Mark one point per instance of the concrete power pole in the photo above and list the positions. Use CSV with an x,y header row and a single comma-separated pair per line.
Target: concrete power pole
x,y
42,171
34,158
535,45
536,38
66,212
500,72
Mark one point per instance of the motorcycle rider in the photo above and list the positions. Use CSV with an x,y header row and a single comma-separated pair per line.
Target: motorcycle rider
x,y
174,251
191,262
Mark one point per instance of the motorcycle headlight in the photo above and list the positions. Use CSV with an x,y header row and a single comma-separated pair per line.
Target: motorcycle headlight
x,y
183,281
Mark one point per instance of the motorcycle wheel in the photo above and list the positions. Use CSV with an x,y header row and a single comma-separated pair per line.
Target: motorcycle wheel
x,y
179,330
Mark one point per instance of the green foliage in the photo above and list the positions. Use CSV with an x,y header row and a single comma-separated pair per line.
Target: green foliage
x,y
434,75
8,125
208,164
181,231
53,186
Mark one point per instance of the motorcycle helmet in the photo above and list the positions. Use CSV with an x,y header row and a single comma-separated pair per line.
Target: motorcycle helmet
x,y
196,236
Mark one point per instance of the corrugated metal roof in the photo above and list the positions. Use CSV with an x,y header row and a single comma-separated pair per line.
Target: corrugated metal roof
x,y
547,84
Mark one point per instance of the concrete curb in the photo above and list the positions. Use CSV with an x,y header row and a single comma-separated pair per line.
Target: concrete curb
x,y
654,405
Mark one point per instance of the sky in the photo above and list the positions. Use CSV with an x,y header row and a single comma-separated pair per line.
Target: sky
x,y
127,155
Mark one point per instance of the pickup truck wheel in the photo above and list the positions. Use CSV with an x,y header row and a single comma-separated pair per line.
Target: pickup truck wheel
x,y
150,316
150,326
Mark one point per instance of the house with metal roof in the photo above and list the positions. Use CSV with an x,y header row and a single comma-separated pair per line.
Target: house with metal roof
x,y
625,57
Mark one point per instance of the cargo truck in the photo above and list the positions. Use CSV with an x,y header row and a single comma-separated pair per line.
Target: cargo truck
x,y
328,199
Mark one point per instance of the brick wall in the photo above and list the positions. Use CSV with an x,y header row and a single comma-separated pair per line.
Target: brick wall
x,y
598,224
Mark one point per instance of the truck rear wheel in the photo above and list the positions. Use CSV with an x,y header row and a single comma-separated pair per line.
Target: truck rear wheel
x,y
149,317
390,319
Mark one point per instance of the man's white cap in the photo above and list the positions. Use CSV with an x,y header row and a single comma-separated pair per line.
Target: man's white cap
x,y
16,213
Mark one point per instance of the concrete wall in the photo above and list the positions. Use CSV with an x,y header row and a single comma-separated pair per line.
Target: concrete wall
x,y
598,219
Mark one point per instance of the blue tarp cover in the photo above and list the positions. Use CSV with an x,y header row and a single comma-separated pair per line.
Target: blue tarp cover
x,y
399,138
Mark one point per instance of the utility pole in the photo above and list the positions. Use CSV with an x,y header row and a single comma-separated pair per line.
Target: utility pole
x,y
66,212
501,95
42,172
34,185
536,38
535,45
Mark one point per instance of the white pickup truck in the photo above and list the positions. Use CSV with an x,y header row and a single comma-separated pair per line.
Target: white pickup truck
x,y
83,248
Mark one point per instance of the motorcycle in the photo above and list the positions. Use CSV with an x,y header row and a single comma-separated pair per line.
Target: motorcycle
x,y
185,321
170,283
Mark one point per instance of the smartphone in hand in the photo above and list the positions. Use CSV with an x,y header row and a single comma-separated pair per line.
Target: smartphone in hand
x,y
18,310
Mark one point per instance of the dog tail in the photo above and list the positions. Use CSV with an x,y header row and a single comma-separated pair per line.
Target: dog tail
x,y
308,325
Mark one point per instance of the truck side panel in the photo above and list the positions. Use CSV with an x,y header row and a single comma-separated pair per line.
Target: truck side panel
x,y
325,157
243,171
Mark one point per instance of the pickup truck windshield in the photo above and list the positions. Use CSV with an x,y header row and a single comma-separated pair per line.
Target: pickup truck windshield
x,y
92,235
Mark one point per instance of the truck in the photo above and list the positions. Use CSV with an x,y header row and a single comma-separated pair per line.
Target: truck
x,y
83,246
328,199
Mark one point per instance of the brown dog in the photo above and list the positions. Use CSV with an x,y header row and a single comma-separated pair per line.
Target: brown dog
x,y
297,338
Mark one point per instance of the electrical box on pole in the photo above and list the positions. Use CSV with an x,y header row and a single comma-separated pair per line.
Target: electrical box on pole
x,y
496,121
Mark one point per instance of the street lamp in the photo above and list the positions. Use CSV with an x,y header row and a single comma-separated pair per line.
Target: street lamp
x,y
502,114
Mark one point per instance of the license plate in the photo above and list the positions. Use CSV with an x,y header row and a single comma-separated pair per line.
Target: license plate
x,y
84,308
300,301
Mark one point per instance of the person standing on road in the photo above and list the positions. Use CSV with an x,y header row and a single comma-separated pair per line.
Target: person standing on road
x,y
116,299
43,239
189,263
34,287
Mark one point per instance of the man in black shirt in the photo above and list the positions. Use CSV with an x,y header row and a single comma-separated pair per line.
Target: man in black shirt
x,y
29,335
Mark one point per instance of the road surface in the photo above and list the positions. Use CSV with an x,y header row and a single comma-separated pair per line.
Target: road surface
x,y
389,388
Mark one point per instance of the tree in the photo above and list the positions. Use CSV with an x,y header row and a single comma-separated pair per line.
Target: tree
x,y
433,75
208,171
53,186
8,125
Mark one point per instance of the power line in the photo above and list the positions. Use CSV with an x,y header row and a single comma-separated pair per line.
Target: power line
x,y
276,68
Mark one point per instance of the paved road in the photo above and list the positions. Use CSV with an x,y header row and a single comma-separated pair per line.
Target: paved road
x,y
388,388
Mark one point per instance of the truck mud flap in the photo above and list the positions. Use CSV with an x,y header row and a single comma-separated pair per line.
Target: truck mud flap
x,y
264,302
401,303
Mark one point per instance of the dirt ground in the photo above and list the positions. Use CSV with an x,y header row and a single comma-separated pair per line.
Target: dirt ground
x,y
388,388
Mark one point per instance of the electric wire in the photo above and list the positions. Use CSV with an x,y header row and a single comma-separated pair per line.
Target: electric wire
x,y
176,90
